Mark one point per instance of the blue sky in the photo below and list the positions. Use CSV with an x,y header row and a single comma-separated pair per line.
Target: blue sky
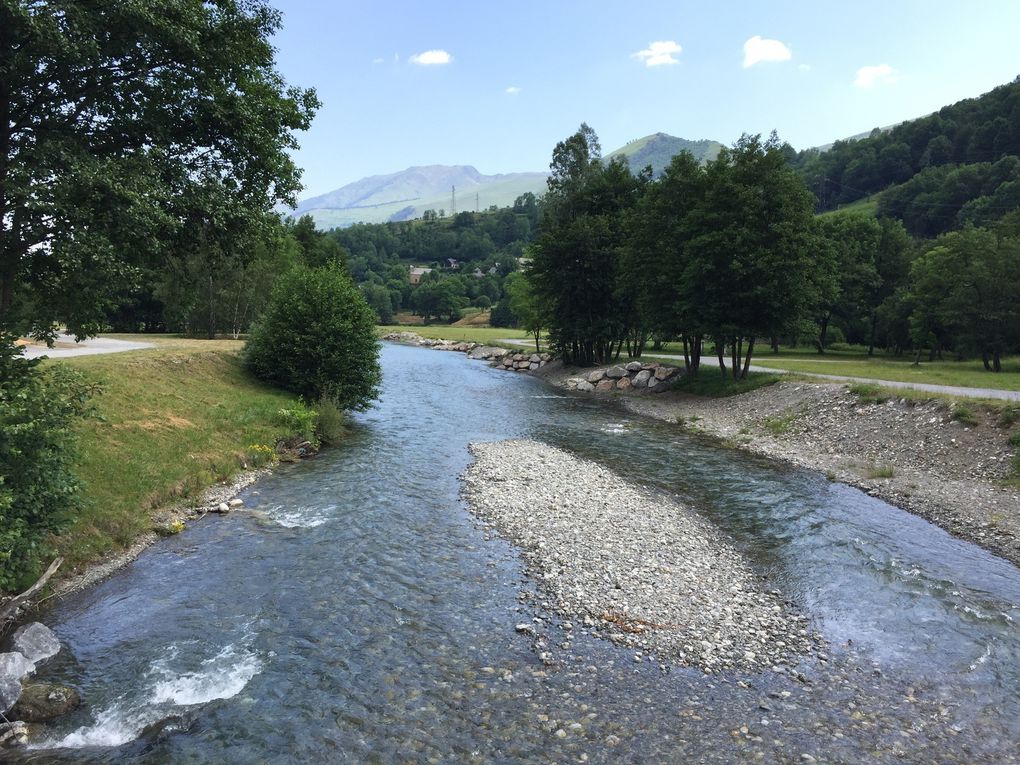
x,y
497,85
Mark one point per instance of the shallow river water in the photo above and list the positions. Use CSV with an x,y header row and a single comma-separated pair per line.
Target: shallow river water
x,y
356,612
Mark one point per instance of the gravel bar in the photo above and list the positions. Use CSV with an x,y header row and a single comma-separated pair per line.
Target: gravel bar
x,y
636,565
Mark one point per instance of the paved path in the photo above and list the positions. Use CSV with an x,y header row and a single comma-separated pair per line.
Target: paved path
x,y
949,390
90,347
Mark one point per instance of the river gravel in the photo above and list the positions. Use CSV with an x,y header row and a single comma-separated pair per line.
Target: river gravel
x,y
637,566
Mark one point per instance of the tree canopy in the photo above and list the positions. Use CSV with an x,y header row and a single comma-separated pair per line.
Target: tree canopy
x,y
130,132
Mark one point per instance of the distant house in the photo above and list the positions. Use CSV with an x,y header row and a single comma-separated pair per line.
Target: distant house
x,y
452,263
416,273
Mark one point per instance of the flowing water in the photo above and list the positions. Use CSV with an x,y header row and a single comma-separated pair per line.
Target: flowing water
x,y
357,613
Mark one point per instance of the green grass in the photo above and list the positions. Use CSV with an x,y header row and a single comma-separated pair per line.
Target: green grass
x,y
486,335
1009,414
968,374
964,414
711,384
882,471
869,393
173,420
779,424
865,206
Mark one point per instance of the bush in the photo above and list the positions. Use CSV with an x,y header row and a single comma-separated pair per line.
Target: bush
x,y
317,339
38,491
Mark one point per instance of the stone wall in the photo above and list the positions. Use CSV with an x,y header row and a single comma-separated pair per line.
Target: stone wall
x,y
633,377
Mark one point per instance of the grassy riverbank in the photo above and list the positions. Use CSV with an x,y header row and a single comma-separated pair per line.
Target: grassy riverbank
x,y
172,420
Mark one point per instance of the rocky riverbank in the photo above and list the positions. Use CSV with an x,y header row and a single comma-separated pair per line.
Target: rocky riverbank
x,y
928,457
630,564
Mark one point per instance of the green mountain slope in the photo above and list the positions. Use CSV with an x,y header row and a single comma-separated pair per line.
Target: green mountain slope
x,y
659,149
409,193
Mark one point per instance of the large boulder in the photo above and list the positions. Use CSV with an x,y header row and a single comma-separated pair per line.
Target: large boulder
x,y
10,692
616,372
664,373
36,642
606,384
13,734
634,366
623,384
598,374
13,667
585,386
41,702
641,378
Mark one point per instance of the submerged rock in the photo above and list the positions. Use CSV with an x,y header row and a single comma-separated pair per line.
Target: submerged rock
x,y
41,702
36,642
10,692
13,734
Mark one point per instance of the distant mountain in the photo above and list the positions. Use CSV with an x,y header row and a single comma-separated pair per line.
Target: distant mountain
x,y
409,193
659,149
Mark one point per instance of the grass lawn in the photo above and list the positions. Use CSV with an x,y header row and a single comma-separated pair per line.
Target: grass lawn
x,y
970,374
172,420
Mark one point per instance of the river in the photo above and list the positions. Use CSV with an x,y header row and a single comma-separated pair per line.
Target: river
x,y
356,612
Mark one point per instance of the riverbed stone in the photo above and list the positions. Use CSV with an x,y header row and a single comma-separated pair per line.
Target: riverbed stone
x,y
616,372
664,373
585,386
41,702
36,642
596,375
633,366
14,664
623,384
607,384
10,692
14,734
641,378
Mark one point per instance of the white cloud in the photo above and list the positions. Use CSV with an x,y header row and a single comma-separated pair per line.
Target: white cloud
x,y
804,67
869,76
759,49
431,58
659,53
378,61
513,90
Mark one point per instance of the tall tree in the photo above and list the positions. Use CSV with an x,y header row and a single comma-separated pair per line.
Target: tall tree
x,y
574,263
116,121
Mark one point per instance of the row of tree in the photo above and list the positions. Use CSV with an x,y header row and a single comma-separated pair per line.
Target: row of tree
x,y
730,252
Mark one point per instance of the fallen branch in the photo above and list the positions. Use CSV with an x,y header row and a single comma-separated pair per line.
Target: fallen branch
x,y
8,609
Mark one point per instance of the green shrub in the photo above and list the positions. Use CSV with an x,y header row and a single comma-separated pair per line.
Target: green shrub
x,y
39,493
330,426
1014,440
777,425
317,339
300,422
882,471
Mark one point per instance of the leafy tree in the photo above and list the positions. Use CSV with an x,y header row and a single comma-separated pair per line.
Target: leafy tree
x,y
964,290
574,264
527,306
118,122
748,269
317,338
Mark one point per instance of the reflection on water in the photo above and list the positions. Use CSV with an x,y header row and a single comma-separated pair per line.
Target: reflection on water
x,y
356,613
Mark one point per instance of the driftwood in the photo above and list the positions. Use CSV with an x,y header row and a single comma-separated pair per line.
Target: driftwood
x,y
9,609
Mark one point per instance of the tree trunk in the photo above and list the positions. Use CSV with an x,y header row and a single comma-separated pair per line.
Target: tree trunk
x,y
871,341
996,361
720,349
823,331
775,344
984,360
537,333
687,356
747,359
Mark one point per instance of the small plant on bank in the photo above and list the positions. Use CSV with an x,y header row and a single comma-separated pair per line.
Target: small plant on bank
x,y
882,471
964,414
300,422
1009,415
779,424
1014,440
869,393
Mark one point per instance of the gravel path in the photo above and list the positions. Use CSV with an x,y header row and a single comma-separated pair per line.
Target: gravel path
x,y
638,567
67,347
